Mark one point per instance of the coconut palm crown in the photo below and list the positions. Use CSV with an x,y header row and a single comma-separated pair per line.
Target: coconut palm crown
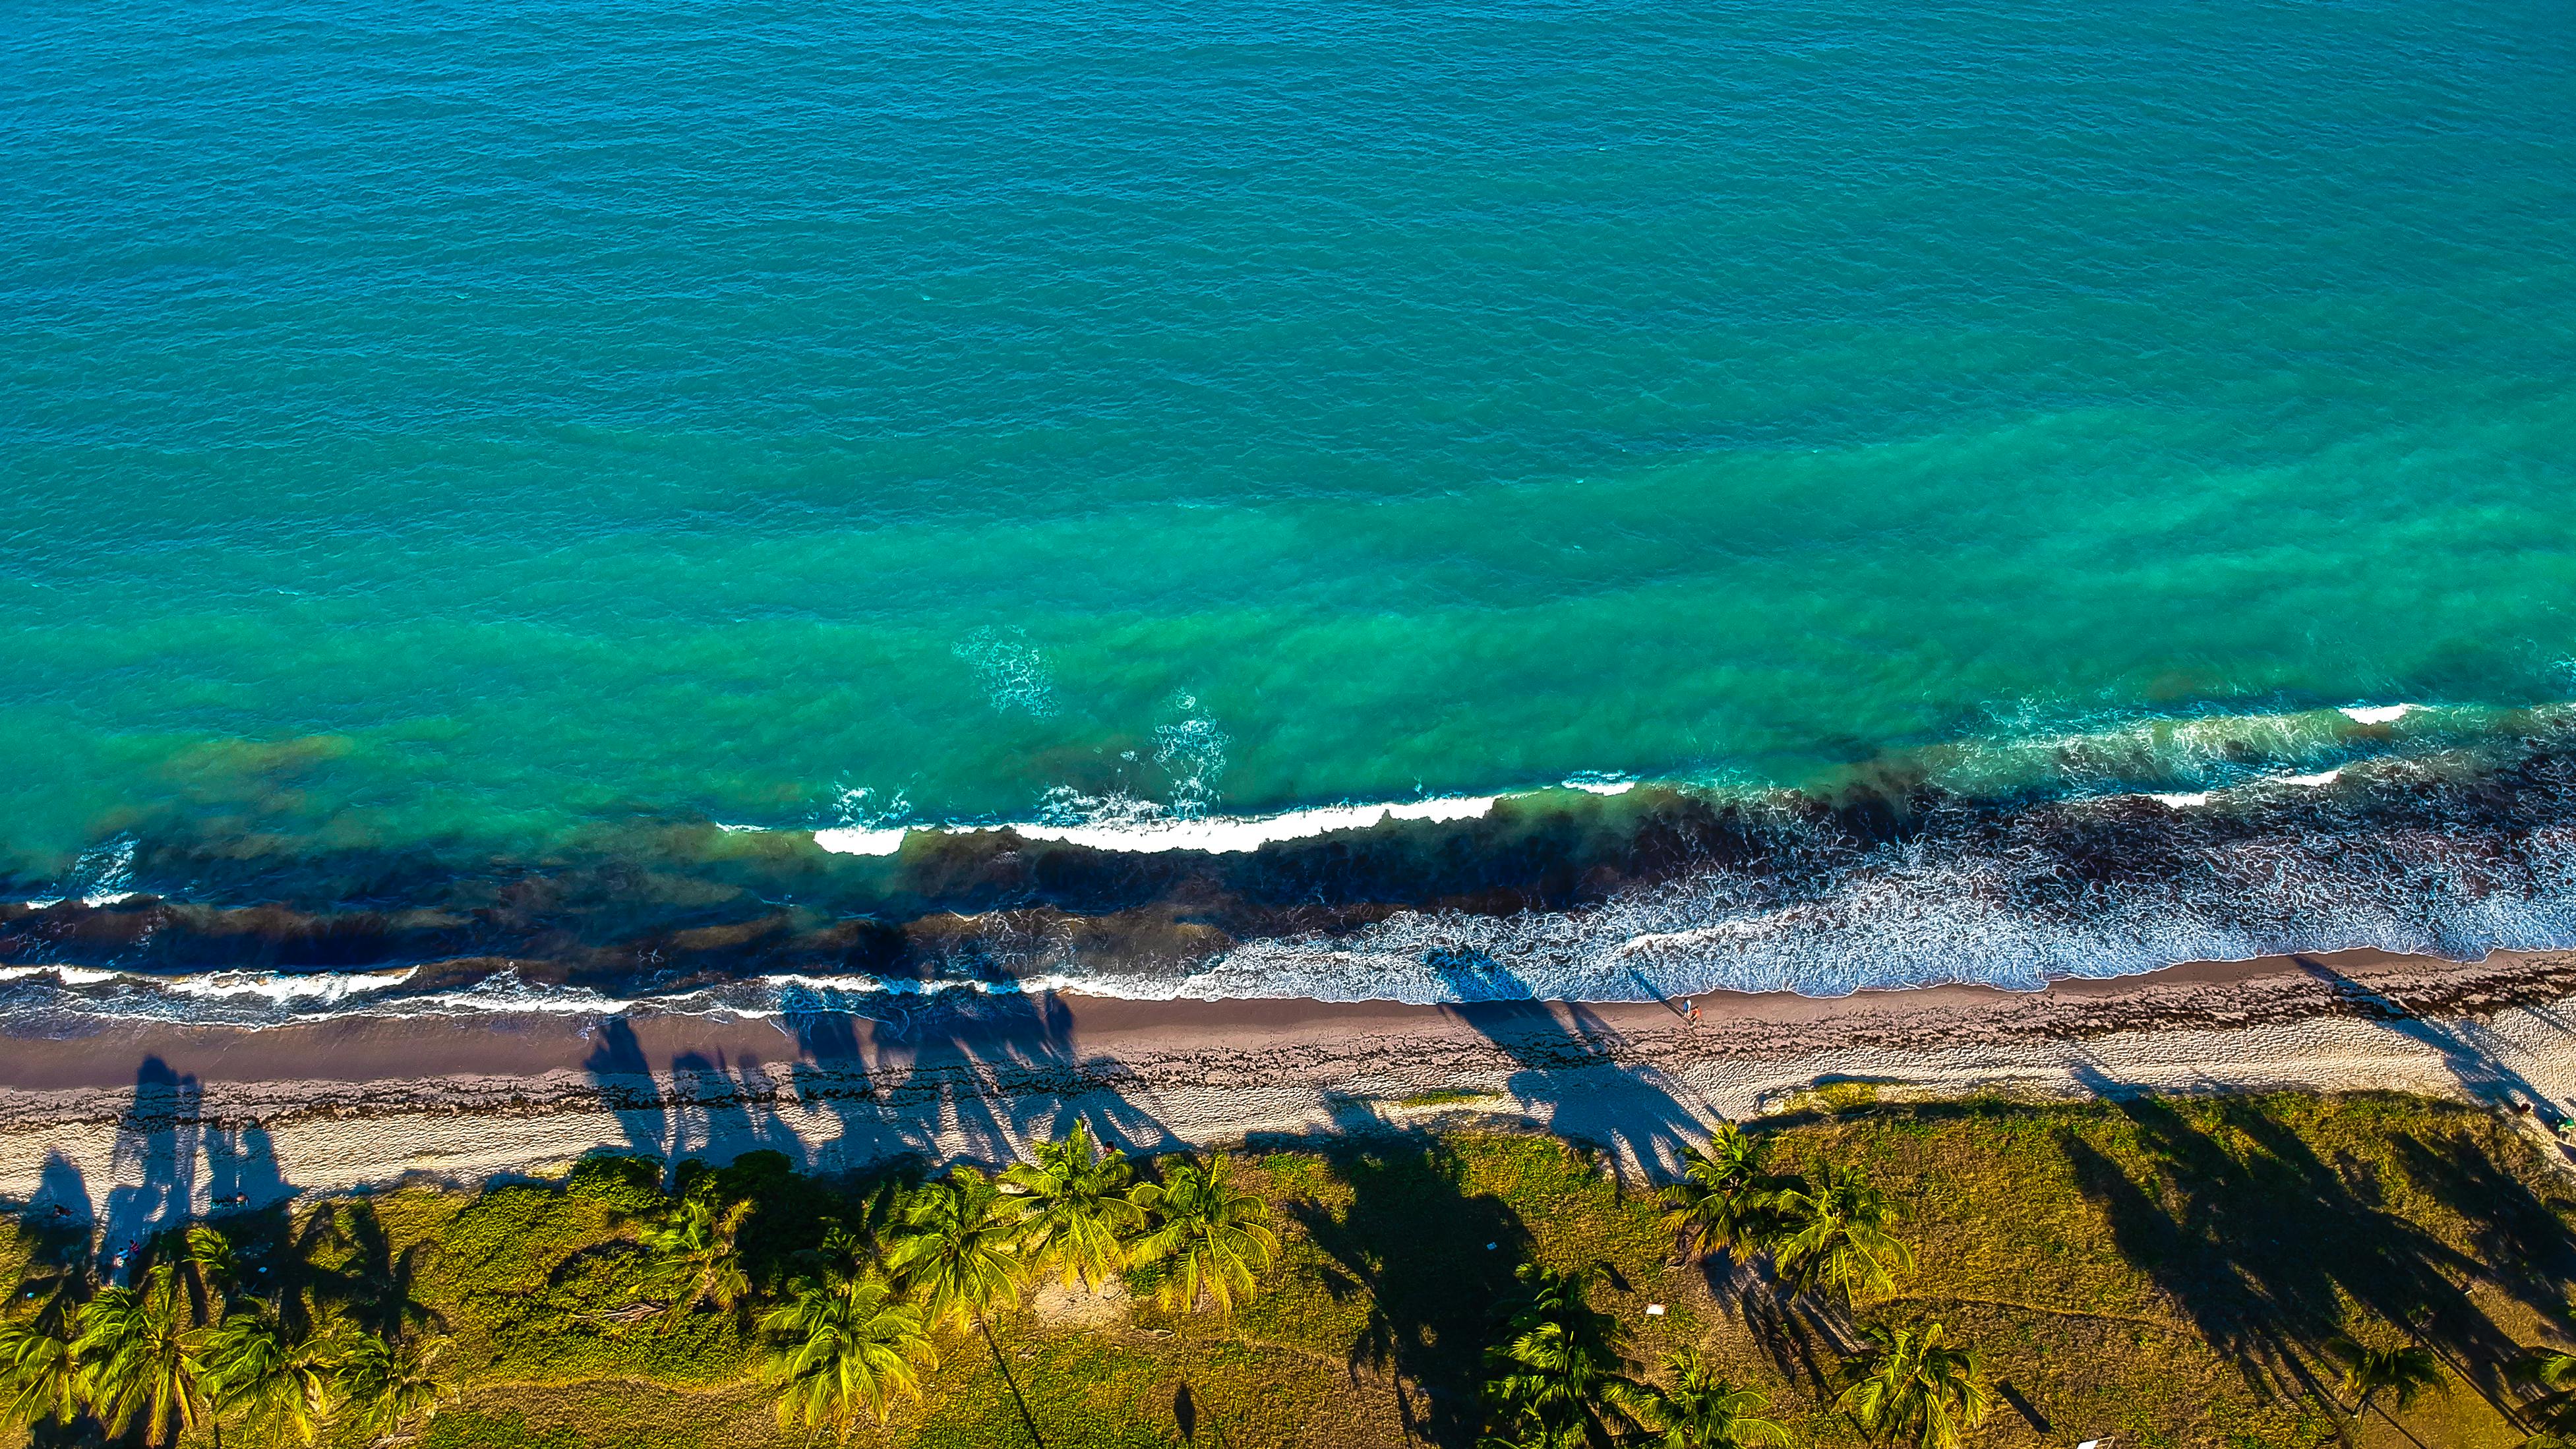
x,y
697,1243
2402,1375
390,1384
1076,1213
1913,1385
1723,1197
139,1350
839,1345
958,1250
1832,1236
2553,1372
1695,1408
1558,1380
1207,1240
258,1379
40,1375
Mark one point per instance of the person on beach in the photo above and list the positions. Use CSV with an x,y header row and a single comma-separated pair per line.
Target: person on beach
x,y
1691,1009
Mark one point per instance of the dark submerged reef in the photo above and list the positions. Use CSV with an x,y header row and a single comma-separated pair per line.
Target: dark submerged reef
x,y
671,905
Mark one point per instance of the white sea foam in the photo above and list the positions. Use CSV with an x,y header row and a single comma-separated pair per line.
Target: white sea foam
x,y
1013,674
1146,827
507,992
104,873
99,878
318,988
67,975
1593,783
1191,754
857,841
1234,834
868,826
1931,909
1811,912
2379,713
250,998
1916,915
792,991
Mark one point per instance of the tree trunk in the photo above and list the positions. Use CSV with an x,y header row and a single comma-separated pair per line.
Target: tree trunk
x,y
2393,1424
1012,1384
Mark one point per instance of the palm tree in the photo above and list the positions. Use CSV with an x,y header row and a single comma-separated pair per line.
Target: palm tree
x,y
139,1355
1832,1236
54,1272
1914,1384
1076,1209
2553,1372
865,1239
960,1252
839,1345
1207,1239
1699,1410
271,1386
1558,1379
1723,1197
205,1264
697,1245
2402,1373
390,1384
39,1372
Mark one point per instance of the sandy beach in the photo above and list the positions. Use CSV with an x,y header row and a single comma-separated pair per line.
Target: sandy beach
x,y
136,1124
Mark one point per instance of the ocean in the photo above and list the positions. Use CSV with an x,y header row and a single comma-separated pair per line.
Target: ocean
x,y
758,507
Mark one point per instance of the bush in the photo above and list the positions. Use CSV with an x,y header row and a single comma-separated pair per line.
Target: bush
x,y
620,1181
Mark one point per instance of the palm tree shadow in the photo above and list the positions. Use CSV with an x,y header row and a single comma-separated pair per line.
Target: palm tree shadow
x,y
377,1286
1787,1331
155,1161
2466,1049
962,1075
1570,1075
60,1252
619,1068
242,1170
1434,1263
2228,1218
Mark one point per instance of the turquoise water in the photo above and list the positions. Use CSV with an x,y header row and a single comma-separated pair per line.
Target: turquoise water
x,y
475,425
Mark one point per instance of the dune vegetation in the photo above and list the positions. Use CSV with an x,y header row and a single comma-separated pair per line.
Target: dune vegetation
x,y
2227,1271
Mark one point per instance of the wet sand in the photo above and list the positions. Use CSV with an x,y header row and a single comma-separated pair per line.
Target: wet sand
x,y
136,1121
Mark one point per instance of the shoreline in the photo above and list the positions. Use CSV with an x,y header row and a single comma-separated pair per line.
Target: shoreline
x,y
138,1124
1888,878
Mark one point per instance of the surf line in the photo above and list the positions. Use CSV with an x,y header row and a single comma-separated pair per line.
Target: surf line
x,y
1218,834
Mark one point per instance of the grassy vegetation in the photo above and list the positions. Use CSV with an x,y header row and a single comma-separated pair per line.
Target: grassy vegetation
x,y
2169,1272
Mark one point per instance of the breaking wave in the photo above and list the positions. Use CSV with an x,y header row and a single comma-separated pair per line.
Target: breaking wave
x,y
2368,826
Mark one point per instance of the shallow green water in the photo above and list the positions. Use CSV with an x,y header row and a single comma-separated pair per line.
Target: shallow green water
x,y
433,422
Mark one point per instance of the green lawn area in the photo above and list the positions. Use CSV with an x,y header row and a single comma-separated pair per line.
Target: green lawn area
x,y
2163,1272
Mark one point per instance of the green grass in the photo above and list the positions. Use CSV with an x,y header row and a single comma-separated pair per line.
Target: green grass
x,y
1441,1099
2165,1271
